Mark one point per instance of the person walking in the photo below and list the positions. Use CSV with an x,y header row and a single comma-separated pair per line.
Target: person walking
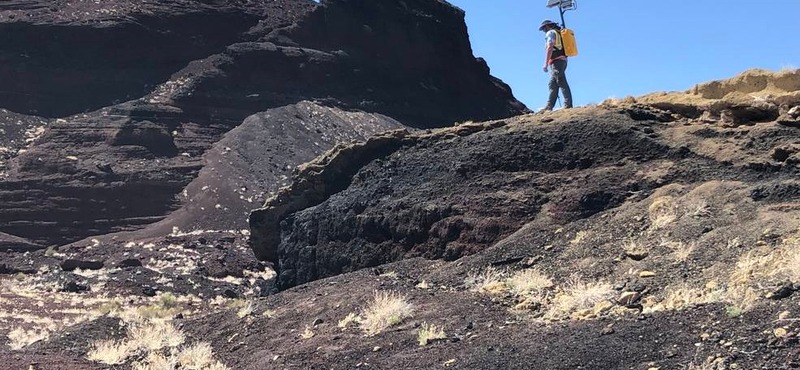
x,y
556,63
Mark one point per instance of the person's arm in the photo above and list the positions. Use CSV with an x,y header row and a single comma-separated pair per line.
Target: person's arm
x,y
548,50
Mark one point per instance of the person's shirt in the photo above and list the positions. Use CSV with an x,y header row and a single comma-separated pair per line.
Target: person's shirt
x,y
553,38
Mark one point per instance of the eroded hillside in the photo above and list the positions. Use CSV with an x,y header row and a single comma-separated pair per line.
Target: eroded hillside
x,y
658,232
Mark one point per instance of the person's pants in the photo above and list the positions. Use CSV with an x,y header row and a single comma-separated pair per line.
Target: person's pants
x,y
558,79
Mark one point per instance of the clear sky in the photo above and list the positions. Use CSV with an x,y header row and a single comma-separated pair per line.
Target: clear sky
x,y
632,47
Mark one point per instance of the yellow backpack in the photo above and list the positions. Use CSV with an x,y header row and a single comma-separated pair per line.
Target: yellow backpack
x,y
568,42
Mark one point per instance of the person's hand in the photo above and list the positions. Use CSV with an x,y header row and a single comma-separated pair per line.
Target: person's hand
x,y
544,68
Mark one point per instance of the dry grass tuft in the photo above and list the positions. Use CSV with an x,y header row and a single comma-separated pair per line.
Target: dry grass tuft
x,y
680,251
151,341
711,363
750,267
110,307
684,296
427,333
528,283
246,310
157,361
578,296
635,249
196,356
307,333
110,352
579,237
386,310
168,300
155,311
743,298
489,281
789,265
350,319
155,335
663,212
764,267
20,338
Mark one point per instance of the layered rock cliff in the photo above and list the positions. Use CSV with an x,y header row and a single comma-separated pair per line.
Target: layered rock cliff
x,y
143,90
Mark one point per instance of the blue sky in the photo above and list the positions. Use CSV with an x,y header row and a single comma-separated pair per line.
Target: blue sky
x,y
632,47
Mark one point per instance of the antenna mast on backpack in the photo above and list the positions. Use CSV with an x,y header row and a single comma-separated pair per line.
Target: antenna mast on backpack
x,y
563,7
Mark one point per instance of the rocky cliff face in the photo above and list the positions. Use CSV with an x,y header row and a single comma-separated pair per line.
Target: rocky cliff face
x,y
143,90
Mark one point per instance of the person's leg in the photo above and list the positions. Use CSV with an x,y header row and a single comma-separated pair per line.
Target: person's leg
x,y
553,86
561,67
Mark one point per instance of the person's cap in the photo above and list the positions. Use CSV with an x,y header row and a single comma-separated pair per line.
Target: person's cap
x,y
546,23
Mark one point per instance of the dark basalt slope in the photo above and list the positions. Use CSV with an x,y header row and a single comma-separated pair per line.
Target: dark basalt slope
x,y
459,191
61,58
254,160
125,165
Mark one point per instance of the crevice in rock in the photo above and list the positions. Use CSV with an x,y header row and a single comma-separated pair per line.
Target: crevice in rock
x,y
313,184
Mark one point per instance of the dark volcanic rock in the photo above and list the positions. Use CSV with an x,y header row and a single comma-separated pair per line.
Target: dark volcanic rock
x,y
74,287
126,165
13,243
130,262
16,132
442,195
71,265
254,160
80,56
411,60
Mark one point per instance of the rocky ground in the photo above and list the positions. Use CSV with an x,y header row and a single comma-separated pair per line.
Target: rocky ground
x,y
657,232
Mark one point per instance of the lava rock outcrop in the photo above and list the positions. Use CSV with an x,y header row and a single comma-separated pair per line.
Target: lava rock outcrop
x,y
459,191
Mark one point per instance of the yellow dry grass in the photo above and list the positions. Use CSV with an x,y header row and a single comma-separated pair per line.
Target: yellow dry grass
x,y
349,320
680,251
196,356
490,281
528,282
387,309
662,212
579,237
20,338
199,356
576,296
427,333
748,282
246,309
156,361
159,344
155,335
635,248
307,333
110,352
683,297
